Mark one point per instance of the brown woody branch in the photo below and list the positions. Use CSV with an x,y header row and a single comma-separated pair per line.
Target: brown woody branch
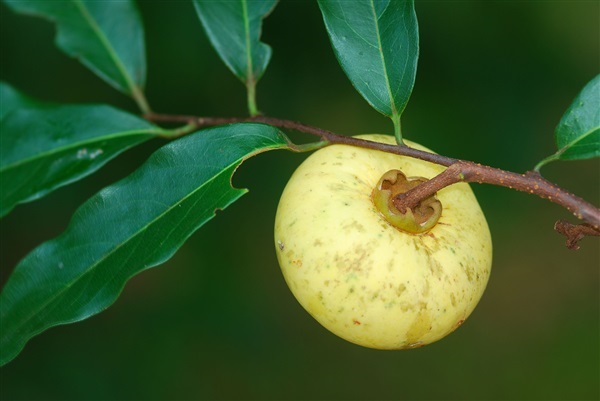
x,y
457,171
530,182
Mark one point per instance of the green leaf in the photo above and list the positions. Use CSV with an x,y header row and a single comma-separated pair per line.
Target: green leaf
x,y
12,99
234,29
107,36
377,45
46,148
578,132
128,227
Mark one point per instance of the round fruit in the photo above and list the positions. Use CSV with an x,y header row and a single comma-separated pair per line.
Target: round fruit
x,y
360,276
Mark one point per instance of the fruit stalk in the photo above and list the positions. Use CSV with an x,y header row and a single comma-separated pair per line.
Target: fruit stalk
x,y
458,170
530,182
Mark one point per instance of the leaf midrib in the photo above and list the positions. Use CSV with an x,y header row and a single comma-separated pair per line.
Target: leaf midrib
x,y
579,138
249,66
107,45
150,131
383,62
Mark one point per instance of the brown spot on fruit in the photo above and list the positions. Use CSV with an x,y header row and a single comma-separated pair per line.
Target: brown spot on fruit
x,y
356,322
401,288
419,327
354,226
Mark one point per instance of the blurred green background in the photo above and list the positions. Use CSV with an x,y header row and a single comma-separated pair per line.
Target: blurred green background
x,y
218,322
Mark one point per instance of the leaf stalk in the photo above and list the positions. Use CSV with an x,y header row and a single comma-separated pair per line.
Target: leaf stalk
x,y
397,129
251,96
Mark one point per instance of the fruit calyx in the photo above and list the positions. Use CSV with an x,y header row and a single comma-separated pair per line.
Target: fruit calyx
x,y
417,220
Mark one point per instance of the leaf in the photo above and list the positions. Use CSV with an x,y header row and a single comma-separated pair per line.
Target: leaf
x,y
234,29
377,45
128,227
578,132
46,148
11,99
107,36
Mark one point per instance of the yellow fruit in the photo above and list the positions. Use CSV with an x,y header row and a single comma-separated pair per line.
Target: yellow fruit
x,y
364,279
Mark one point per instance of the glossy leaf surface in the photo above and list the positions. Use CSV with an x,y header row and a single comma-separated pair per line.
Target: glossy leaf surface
x,y
234,29
107,36
578,132
132,225
12,99
377,45
46,148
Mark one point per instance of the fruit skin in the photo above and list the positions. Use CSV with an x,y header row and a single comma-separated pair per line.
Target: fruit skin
x,y
365,280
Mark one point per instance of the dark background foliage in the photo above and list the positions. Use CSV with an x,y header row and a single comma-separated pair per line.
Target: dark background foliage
x,y
218,322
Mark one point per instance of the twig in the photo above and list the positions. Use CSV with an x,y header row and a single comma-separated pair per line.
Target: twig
x,y
575,232
530,182
201,122
457,171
